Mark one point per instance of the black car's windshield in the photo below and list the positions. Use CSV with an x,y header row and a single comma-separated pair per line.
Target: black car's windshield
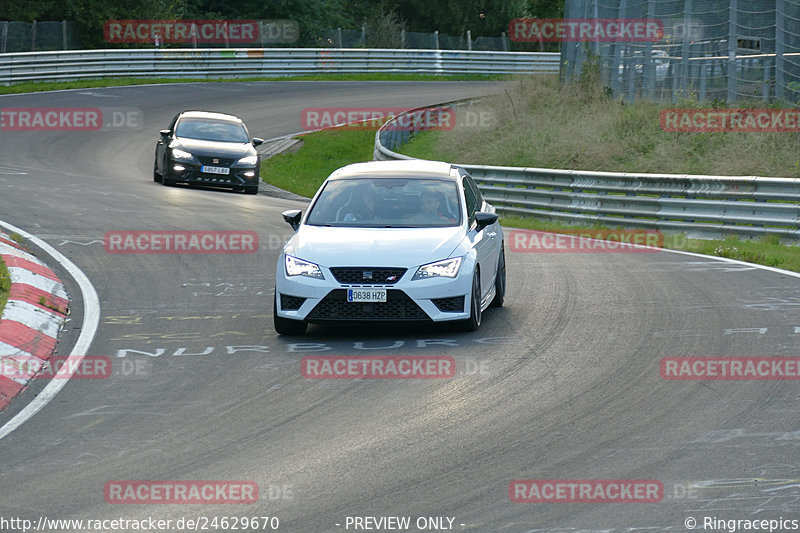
x,y
387,202
211,130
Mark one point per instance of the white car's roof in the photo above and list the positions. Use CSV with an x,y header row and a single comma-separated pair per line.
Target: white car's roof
x,y
210,115
406,168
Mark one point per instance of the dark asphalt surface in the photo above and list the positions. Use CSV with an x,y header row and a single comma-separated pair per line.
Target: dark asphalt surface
x,y
567,386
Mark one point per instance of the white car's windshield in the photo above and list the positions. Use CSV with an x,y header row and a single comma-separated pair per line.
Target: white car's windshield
x,y
387,202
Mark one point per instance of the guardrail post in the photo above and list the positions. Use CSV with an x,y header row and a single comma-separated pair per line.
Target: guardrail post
x,y
64,34
33,36
339,36
469,40
435,41
504,40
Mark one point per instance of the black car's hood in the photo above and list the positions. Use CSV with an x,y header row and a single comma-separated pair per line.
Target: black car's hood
x,y
214,148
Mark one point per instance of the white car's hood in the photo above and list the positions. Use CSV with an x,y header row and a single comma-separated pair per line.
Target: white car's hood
x,y
375,247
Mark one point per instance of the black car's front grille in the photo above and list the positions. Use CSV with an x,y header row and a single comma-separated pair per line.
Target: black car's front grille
x,y
398,306
291,303
210,161
453,304
367,275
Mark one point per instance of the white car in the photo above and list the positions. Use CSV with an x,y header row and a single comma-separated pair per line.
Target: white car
x,y
391,241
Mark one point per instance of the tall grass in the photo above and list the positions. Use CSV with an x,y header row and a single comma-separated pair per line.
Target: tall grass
x,y
540,124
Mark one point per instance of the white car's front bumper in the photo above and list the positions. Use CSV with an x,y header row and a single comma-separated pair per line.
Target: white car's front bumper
x,y
407,299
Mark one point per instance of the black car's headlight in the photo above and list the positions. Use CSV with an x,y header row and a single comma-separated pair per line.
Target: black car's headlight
x,y
248,161
447,268
298,267
181,155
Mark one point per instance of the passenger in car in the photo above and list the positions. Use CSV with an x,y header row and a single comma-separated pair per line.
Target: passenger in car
x,y
429,209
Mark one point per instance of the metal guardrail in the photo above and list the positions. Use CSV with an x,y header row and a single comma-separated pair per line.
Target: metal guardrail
x,y
707,206
261,62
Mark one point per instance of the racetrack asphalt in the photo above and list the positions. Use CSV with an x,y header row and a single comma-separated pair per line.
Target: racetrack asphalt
x,y
562,383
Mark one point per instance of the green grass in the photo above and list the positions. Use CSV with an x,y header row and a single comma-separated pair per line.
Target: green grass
x,y
33,87
322,153
537,123
767,250
5,285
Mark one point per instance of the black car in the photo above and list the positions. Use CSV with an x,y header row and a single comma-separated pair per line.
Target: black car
x,y
212,149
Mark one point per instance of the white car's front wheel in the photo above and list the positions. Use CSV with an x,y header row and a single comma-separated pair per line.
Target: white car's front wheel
x,y
500,280
286,326
475,314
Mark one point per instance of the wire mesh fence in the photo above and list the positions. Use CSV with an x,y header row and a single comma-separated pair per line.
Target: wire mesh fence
x,y
44,36
36,36
344,38
710,50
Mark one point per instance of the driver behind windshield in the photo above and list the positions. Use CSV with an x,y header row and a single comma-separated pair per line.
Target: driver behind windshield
x,y
366,210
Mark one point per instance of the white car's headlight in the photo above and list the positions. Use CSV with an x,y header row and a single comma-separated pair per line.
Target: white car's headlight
x,y
181,154
298,267
447,268
250,160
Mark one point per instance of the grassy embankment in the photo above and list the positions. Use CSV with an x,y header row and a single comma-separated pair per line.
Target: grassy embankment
x,y
536,123
34,87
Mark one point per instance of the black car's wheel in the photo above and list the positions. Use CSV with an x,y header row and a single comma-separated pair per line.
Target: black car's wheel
x,y
286,326
156,175
500,280
474,320
165,180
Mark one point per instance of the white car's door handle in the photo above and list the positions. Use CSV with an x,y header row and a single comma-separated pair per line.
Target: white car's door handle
x,y
492,234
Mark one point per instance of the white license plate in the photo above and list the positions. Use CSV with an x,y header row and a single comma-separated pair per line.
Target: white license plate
x,y
366,295
215,170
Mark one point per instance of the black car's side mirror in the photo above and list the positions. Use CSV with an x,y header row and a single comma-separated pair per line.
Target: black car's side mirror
x,y
483,219
164,133
257,141
292,217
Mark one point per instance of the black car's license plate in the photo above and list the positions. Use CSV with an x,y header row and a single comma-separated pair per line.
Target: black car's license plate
x,y
215,170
